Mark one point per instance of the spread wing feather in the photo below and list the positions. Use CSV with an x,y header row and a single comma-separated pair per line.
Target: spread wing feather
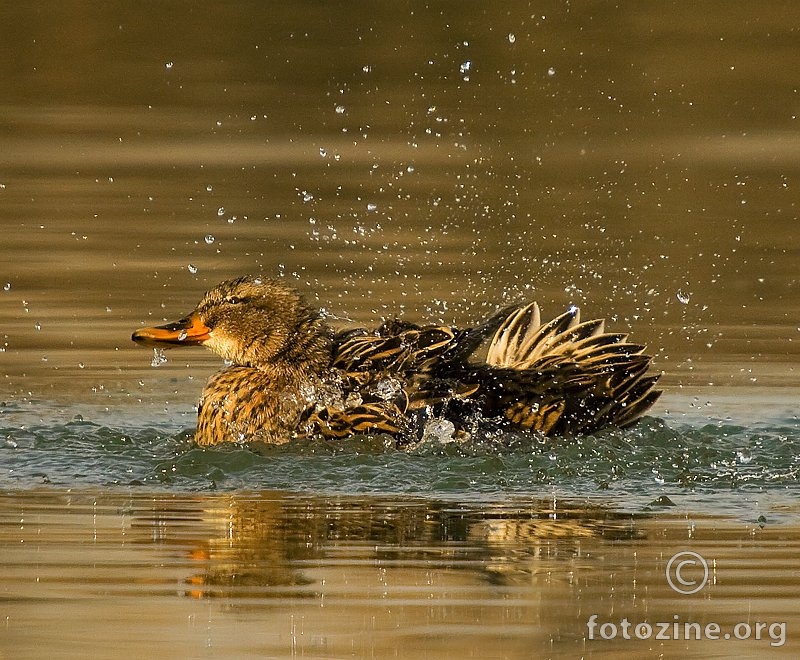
x,y
563,376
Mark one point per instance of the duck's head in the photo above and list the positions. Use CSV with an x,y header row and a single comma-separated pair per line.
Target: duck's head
x,y
249,321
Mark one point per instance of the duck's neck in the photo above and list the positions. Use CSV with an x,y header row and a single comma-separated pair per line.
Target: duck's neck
x,y
307,353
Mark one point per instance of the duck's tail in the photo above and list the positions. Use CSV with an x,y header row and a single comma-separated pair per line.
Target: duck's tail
x,y
566,376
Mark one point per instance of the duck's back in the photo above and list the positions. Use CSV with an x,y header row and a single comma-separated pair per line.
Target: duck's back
x,y
558,378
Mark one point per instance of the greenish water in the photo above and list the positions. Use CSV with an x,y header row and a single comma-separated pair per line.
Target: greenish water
x,y
717,462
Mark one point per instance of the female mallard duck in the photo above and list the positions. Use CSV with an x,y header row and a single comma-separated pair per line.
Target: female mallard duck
x,y
290,375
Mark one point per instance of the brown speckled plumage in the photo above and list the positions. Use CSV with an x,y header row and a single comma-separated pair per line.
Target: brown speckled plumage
x,y
291,376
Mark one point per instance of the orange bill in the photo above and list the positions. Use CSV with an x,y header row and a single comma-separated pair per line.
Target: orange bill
x,y
186,332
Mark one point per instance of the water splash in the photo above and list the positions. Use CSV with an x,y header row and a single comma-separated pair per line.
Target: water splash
x,y
441,431
388,389
158,357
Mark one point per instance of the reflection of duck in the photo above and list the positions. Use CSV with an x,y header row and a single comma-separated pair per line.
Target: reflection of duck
x,y
294,548
289,375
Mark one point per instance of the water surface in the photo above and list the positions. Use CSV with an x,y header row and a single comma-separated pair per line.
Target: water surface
x,y
429,163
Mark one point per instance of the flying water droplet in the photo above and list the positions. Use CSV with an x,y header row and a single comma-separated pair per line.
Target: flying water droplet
x,y
308,393
353,400
511,38
183,335
372,207
221,211
7,286
388,389
439,430
158,357
192,269
209,239
551,71
683,297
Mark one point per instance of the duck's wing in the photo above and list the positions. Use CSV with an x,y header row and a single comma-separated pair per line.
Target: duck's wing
x,y
401,348
391,372
395,348
379,407
565,376
571,399
375,417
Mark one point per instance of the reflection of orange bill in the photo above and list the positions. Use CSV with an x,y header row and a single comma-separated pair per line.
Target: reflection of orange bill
x,y
199,554
196,581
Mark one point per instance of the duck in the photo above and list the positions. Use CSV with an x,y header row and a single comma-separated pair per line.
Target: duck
x,y
289,374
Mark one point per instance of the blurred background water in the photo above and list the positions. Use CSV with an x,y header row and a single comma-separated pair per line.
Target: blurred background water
x,y
423,161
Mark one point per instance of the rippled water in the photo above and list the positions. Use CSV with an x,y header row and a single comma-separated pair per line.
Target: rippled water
x,y
431,163
683,458
275,574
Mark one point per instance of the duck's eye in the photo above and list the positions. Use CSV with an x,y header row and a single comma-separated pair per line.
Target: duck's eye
x,y
233,300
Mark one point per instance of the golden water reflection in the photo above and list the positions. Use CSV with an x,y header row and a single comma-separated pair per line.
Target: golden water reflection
x,y
274,575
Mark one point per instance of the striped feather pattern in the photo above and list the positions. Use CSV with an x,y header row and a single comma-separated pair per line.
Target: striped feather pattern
x,y
563,376
291,376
